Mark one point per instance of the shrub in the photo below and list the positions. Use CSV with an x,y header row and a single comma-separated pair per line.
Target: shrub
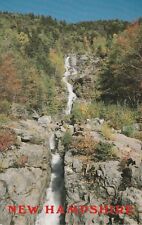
x,y
120,116
85,145
5,107
7,139
67,138
104,151
3,119
78,112
138,135
89,147
128,131
107,132
117,115
82,111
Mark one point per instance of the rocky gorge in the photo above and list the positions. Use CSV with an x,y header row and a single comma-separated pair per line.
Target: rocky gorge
x,y
96,170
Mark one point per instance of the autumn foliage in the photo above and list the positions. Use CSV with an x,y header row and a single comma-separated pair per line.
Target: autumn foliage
x,y
121,79
86,144
10,85
7,139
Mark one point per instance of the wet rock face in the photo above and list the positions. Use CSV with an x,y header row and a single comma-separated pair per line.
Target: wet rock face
x,y
24,172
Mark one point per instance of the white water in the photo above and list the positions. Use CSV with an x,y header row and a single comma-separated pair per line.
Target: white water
x,y
72,95
55,191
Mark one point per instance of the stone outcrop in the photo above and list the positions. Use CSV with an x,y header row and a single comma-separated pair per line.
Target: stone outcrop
x,y
85,80
115,181
24,172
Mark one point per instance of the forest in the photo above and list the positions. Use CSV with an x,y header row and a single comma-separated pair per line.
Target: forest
x,y
32,51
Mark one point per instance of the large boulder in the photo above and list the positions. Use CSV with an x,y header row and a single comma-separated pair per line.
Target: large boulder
x,y
44,121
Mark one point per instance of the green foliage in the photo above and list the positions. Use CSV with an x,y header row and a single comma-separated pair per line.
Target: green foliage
x,y
100,45
33,79
81,37
77,112
104,151
107,132
32,56
128,130
5,107
138,135
117,116
4,119
121,78
67,138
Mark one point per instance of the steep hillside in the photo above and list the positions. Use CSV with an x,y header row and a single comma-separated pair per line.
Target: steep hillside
x,y
32,54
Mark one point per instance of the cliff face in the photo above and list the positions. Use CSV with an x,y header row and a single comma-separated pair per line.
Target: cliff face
x,y
85,81
25,171
94,183
93,179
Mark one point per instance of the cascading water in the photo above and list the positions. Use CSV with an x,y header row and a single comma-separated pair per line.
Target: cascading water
x,y
54,194
72,95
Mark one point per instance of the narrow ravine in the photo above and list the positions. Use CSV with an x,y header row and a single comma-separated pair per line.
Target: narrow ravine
x,y
54,193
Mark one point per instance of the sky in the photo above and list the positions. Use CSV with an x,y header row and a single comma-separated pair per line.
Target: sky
x,y
77,10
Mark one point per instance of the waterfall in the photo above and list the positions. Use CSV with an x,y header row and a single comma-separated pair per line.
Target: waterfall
x,y
72,95
55,191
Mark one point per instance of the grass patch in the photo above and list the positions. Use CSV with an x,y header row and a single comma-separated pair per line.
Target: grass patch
x,y
107,132
117,115
4,119
138,135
